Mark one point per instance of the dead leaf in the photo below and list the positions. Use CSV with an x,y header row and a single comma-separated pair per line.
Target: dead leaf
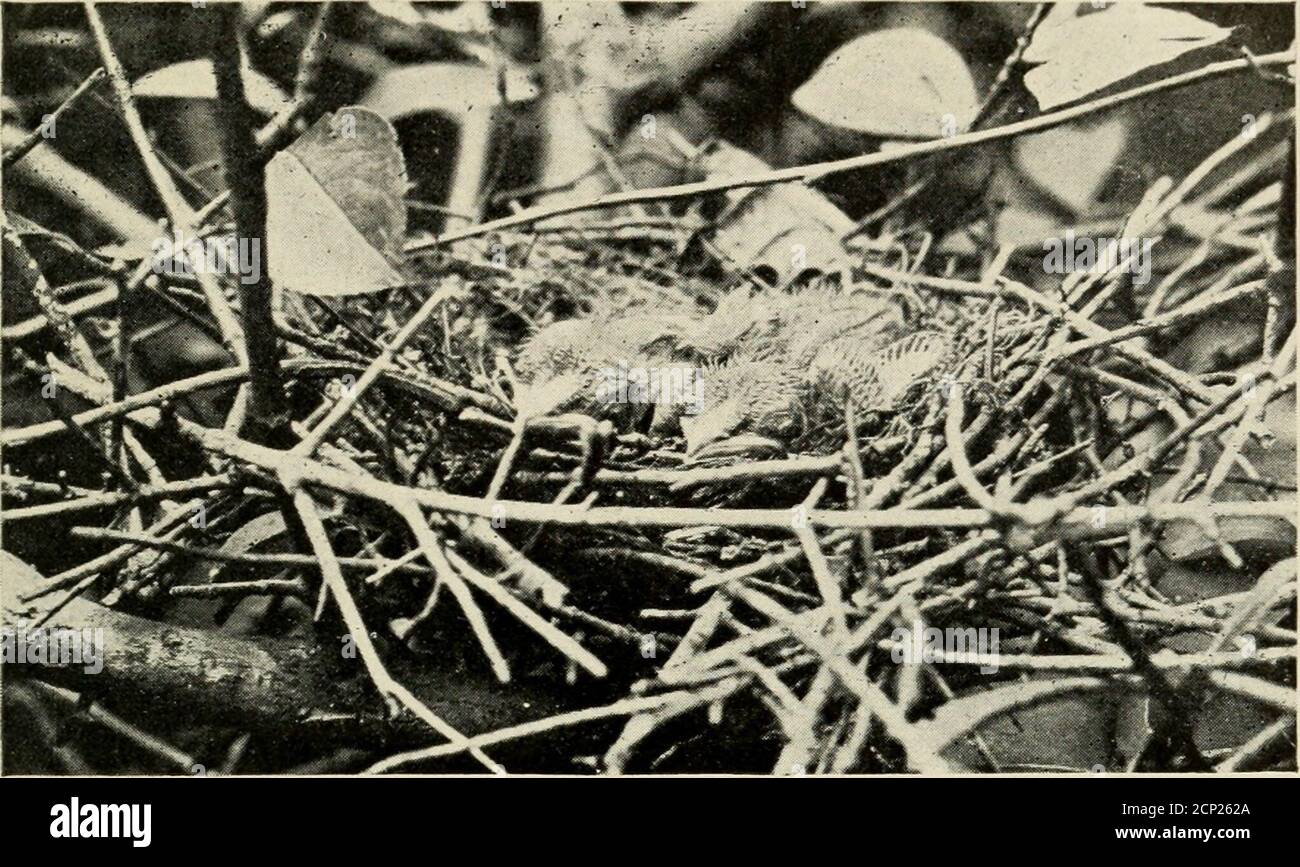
x,y
462,18
446,88
789,228
336,216
1071,163
1079,54
901,83
1252,537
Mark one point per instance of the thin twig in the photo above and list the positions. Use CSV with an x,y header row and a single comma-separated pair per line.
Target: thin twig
x,y
50,122
267,420
396,695
178,210
818,171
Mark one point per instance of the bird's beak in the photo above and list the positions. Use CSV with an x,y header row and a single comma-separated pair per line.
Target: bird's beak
x,y
710,426
749,446
712,435
542,398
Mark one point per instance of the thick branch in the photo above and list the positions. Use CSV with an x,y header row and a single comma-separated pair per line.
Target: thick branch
x,y
261,684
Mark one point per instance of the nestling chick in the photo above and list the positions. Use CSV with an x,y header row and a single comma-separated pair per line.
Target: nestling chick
x,y
781,397
561,347
750,395
874,378
771,342
774,324
561,366
738,317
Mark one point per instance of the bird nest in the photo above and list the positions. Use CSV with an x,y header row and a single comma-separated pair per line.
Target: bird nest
x,y
878,463
912,522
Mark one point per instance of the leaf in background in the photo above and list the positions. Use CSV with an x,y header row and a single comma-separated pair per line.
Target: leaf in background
x,y
1248,613
464,18
1081,54
398,10
449,88
195,79
1023,217
263,534
336,216
1047,722
1071,163
901,83
1203,349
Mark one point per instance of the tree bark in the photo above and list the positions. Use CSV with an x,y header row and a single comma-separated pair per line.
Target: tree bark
x,y
293,686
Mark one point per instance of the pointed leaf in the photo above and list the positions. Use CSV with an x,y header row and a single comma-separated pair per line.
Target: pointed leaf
x,y
902,83
1081,54
336,218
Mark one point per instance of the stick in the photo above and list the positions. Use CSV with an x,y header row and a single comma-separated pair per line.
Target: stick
x,y
817,171
50,122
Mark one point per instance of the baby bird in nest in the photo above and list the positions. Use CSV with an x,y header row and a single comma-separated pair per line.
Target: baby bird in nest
x,y
847,371
573,365
759,396
772,324
774,365
779,399
770,337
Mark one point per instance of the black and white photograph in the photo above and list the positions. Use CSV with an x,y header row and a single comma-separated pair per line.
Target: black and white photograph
x,y
597,389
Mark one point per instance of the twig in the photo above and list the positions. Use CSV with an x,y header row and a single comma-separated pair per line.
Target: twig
x,y
313,55
141,407
542,627
827,584
431,548
817,171
920,753
394,693
96,447
96,712
625,707
99,500
224,589
50,122
72,339
961,467
178,210
1261,399
251,559
1074,524
999,85
1170,745
1245,755
351,396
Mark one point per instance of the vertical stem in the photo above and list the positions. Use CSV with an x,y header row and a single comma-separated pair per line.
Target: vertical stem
x,y
268,416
